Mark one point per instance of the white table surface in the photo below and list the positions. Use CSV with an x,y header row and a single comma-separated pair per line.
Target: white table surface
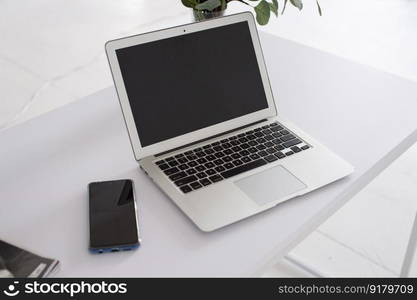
x,y
46,164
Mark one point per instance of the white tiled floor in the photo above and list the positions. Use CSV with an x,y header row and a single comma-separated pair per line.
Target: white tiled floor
x,y
52,53
369,235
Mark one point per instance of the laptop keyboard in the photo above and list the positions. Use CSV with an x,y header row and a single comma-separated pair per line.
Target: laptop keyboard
x,y
211,163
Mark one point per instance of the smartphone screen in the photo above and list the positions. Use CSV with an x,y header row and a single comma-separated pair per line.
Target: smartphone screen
x,y
113,222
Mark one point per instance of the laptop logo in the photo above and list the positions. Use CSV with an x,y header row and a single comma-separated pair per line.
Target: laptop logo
x,y
12,291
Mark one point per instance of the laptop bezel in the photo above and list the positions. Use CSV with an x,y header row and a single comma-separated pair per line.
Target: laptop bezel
x,y
179,141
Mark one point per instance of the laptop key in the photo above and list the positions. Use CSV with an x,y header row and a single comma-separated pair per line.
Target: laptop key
x,y
219,154
196,185
209,165
169,158
244,146
253,150
209,151
182,160
254,156
186,189
291,143
200,168
192,164
245,159
270,158
227,151
244,152
183,167
287,137
295,149
229,165
163,166
263,153
218,162
210,172
201,175
277,141
237,162
216,178
177,176
271,150
289,153
200,154
219,169
227,159
277,128
305,147
160,162
201,160
191,171
210,157
185,180
205,182
279,155
171,171
244,168
236,155
173,163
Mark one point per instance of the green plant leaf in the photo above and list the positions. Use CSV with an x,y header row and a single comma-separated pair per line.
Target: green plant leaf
x,y
297,3
189,3
262,12
285,6
208,5
319,8
274,7
224,4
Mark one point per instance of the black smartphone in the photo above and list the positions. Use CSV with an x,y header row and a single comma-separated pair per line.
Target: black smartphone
x,y
113,217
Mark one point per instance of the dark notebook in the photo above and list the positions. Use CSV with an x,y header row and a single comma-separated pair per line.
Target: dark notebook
x,y
16,262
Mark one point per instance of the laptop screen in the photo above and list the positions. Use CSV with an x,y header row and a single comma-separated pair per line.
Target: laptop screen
x,y
185,83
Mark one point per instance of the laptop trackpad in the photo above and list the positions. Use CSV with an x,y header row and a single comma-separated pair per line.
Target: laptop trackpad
x,y
270,185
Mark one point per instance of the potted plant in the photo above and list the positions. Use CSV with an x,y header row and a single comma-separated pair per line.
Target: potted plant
x,y
205,9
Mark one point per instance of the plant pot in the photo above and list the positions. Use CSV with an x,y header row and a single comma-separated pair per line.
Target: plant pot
x,y
201,15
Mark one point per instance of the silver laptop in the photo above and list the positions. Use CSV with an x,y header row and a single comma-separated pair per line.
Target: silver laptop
x,y
203,124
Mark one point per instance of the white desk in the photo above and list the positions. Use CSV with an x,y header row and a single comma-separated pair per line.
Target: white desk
x,y
46,164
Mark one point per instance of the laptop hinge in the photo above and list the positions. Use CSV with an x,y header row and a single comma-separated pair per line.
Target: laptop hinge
x,y
208,138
